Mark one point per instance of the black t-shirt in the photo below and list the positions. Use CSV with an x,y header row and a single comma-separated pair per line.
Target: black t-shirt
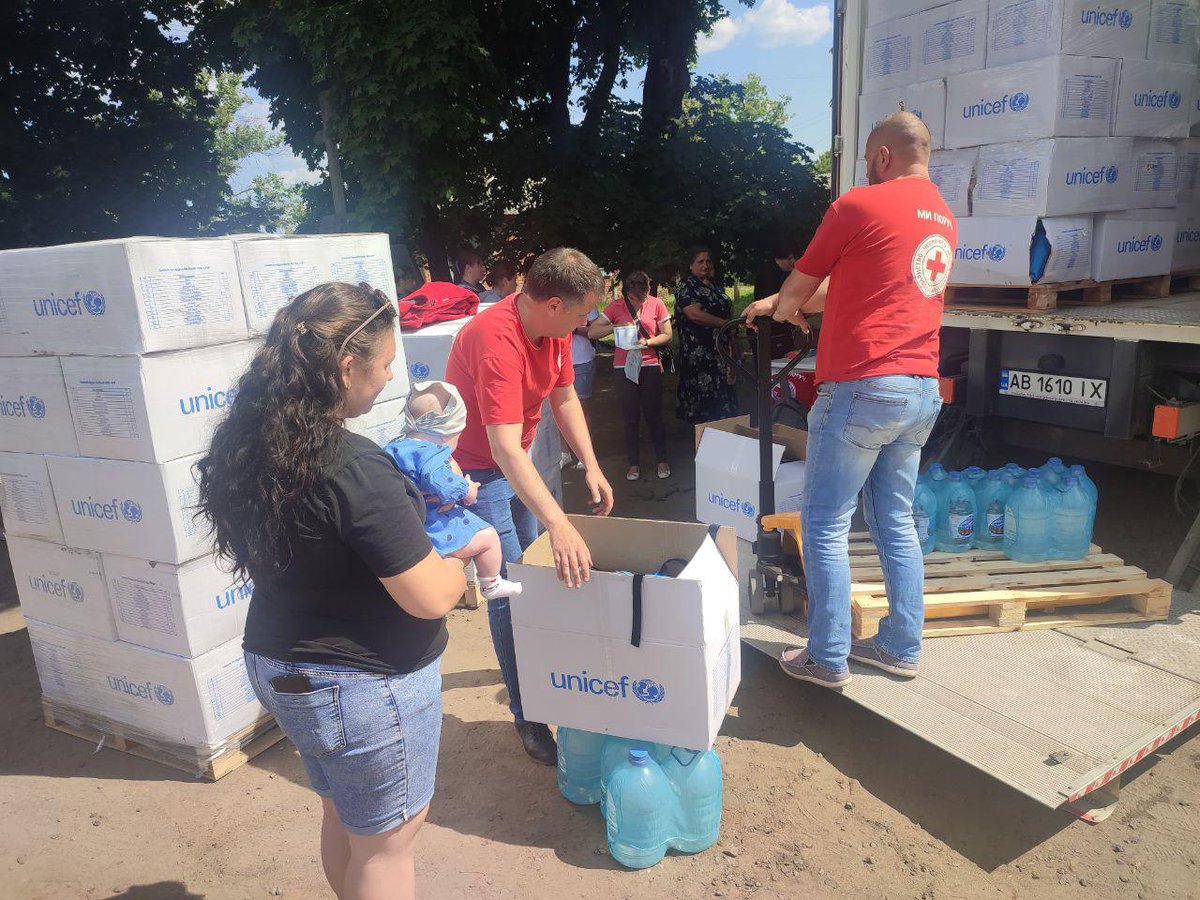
x,y
328,605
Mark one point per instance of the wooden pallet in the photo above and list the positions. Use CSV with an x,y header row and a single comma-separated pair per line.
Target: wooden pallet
x,y
240,747
1186,281
982,592
1051,296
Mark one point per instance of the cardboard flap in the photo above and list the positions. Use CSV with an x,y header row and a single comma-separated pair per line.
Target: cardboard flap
x,y
735,455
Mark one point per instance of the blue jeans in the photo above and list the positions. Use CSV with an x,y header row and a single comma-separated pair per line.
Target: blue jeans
x,y
865,436
500,507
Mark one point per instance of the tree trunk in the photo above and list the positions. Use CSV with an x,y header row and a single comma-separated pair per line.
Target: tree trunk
x,y
614,14
434,244
673,27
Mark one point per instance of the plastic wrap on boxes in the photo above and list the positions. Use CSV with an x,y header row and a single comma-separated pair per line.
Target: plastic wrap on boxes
x,y
952,171
34,416
1133,243
1174,31
996,250
27,497
953,39
1067,96
62,586
1054,176
1153,99
134,295
1155,174
926,100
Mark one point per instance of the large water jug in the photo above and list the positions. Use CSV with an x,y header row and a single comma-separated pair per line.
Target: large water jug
x,y
989,530
579,771
1072,522
1052,473
938,480
1089,486
1027,522
956,523
640,811
1015,474
696,780
975,477
925,516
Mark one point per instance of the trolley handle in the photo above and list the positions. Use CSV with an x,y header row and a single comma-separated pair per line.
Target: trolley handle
x,y
723,342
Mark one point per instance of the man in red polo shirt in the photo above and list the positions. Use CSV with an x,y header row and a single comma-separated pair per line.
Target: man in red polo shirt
x,y
505,362
877,266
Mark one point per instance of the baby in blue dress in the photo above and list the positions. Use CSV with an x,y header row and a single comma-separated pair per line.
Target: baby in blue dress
x,y
434,417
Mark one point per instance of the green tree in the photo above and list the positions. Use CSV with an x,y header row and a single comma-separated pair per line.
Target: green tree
x,y
824,164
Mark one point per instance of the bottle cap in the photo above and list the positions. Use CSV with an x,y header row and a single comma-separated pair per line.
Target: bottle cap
x,y
1071,481
638,756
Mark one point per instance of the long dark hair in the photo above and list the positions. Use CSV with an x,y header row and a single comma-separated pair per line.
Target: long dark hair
x,y
266,457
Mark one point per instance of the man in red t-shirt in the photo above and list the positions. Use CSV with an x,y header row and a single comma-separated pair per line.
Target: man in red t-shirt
x,y
505,362
877,266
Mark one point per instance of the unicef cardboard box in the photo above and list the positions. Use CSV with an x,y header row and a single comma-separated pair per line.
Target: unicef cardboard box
x,y
1154,98
1155,174
62,586
586,658
889,54
194,702
382,423
1187,173
995,250
1186,255
34,417
134,295
953,171
1020,30
952,39
427,351
186,610
1134,243
1054,177
1174,31
886,10
727,473
145,510
925,100
1059,96
27,497
153,408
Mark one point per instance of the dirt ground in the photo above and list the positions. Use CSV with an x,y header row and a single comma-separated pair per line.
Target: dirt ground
x,y
822,798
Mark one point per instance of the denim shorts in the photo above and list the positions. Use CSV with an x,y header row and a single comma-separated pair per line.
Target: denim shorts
x,y
585,379
368,741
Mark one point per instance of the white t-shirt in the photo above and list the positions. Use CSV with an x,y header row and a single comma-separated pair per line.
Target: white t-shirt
x,y
582,350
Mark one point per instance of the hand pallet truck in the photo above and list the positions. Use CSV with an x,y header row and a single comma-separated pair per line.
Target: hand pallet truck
x,y
776,576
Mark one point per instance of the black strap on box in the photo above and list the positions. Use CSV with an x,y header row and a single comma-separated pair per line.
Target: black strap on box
x,y
635,637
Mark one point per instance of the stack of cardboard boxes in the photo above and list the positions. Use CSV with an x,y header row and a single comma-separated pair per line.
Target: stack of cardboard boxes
x,y
118,357
1056,124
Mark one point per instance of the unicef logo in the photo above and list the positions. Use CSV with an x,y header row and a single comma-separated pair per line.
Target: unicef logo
x,y
1125,19
93,301
748,509
1110,175
649,691
75,589
1156,243
1020,100
164,695
419,370
996,252
1174,99
37,407
131,511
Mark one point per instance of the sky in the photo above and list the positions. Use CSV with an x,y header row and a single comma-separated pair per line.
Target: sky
x,y
785,42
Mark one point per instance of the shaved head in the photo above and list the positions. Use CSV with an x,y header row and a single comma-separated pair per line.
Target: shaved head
x,y
897,146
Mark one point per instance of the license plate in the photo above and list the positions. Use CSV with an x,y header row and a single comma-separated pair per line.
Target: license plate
x,y
1056,388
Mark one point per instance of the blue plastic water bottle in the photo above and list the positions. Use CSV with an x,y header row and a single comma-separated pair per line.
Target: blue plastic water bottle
x,y
696,780
1015,474
1027,522
1072,522
989,531
640,811
1093,494
925,516
956,524
579,765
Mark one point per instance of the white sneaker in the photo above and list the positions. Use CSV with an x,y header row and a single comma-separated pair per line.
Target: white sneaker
x,y
500,587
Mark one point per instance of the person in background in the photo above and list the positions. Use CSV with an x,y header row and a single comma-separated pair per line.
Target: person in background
x,y
767,282
706,392
470,270
502,281
878,265
346,629
583,358
505,362
640,378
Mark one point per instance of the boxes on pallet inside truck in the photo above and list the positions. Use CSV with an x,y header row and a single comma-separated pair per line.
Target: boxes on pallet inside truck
x,y
134,295
999,250
1020,30
153,408
185,610
1054,177
577,664
1133,243
925,100
1186,256
1174,31
1059,96
33,407
196,702
953,171
1152,99
952,39
1155,174
27,497
145,510
62,586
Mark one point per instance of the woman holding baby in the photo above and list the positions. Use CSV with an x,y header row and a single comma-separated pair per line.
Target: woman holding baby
x,y
346,628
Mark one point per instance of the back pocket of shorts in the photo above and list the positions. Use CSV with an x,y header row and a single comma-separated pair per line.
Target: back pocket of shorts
x,y
313,721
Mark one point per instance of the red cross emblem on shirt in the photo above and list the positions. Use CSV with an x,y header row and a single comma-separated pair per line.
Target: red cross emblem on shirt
x,y
935,266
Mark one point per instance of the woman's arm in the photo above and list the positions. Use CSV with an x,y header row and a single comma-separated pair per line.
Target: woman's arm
x,y
697,316
664,335
430,589
600,328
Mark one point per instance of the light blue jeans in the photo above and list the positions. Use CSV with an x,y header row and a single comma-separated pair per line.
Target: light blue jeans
x,y
865,436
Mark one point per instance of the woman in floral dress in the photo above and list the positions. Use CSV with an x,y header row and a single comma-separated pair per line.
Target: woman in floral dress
x,y
701,307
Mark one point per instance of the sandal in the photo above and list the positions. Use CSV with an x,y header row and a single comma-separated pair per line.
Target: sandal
x,y
633,474
664,471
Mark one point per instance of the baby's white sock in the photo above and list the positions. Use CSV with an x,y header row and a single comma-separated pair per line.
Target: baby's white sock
x,y
495,587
